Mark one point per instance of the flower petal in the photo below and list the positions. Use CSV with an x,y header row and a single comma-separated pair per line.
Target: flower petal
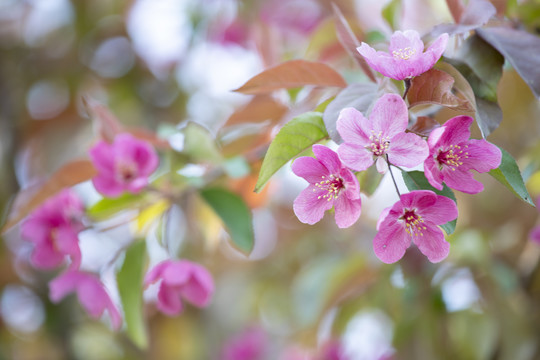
x,y
381,165
328,157
418,199
67,242
46,257
456,131
309,168
433,53
461,180
355,157
432,243
391,241
352,186
200,287
353,127
401,40
63,284
347,211
443,211
169,301
482,156
389,115
107,185
432,173
176,273
154,274
101,155
308,207
408,150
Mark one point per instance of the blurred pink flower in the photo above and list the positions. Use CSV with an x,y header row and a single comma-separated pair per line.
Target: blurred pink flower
x,y
452,156
332,350
414,218
180,279
405,58
383,134
251,344
301,16
124,165
330,184
534,235
90,292
53,228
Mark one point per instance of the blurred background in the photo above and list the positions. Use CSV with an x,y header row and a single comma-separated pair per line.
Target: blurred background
x,y
161,64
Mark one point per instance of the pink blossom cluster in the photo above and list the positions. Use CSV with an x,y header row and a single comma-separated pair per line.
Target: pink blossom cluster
x,y
448,156
53,228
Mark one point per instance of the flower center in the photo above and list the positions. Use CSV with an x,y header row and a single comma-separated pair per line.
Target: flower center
x,y
126,171
379,144
404,54
413,222
452,157
332,185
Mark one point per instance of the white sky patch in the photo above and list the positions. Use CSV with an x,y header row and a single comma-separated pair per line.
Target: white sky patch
x,y
460,291
160,31
368,336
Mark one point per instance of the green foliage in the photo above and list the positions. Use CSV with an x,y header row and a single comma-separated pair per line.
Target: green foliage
x,y
130,287
416,180
293,138
235,214
509,175
107,207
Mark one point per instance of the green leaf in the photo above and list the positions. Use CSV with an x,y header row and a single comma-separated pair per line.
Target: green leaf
x,y
293,138
130,282
509,175
236,215
200,145
416,180
105,208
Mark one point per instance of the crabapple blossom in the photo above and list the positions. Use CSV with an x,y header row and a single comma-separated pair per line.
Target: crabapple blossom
x,y
405,58
380,137
414,218
452,155
90,292
180,279
124,165
53,229
330,185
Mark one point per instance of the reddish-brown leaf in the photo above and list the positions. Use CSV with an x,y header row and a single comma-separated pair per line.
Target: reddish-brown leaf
x,y
476,14
148,136
106,124
259,109
292,74
350,42
435,87
520,48
28,199
456,8
424,125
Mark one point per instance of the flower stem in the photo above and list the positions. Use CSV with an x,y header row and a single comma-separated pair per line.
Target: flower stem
x,y
407,87
392,175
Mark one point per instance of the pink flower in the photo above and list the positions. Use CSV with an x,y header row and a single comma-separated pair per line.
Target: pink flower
x,y
180,279
90,292
405,57
53,228
383,135
452,155
330,184
534,235
249,345
332,350
123,165
414,218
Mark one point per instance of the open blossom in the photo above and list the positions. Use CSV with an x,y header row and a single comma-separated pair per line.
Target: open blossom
x,y
90,292
405,58
54,228
382,135
180,279
123,165
414,218
330,185
452,155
